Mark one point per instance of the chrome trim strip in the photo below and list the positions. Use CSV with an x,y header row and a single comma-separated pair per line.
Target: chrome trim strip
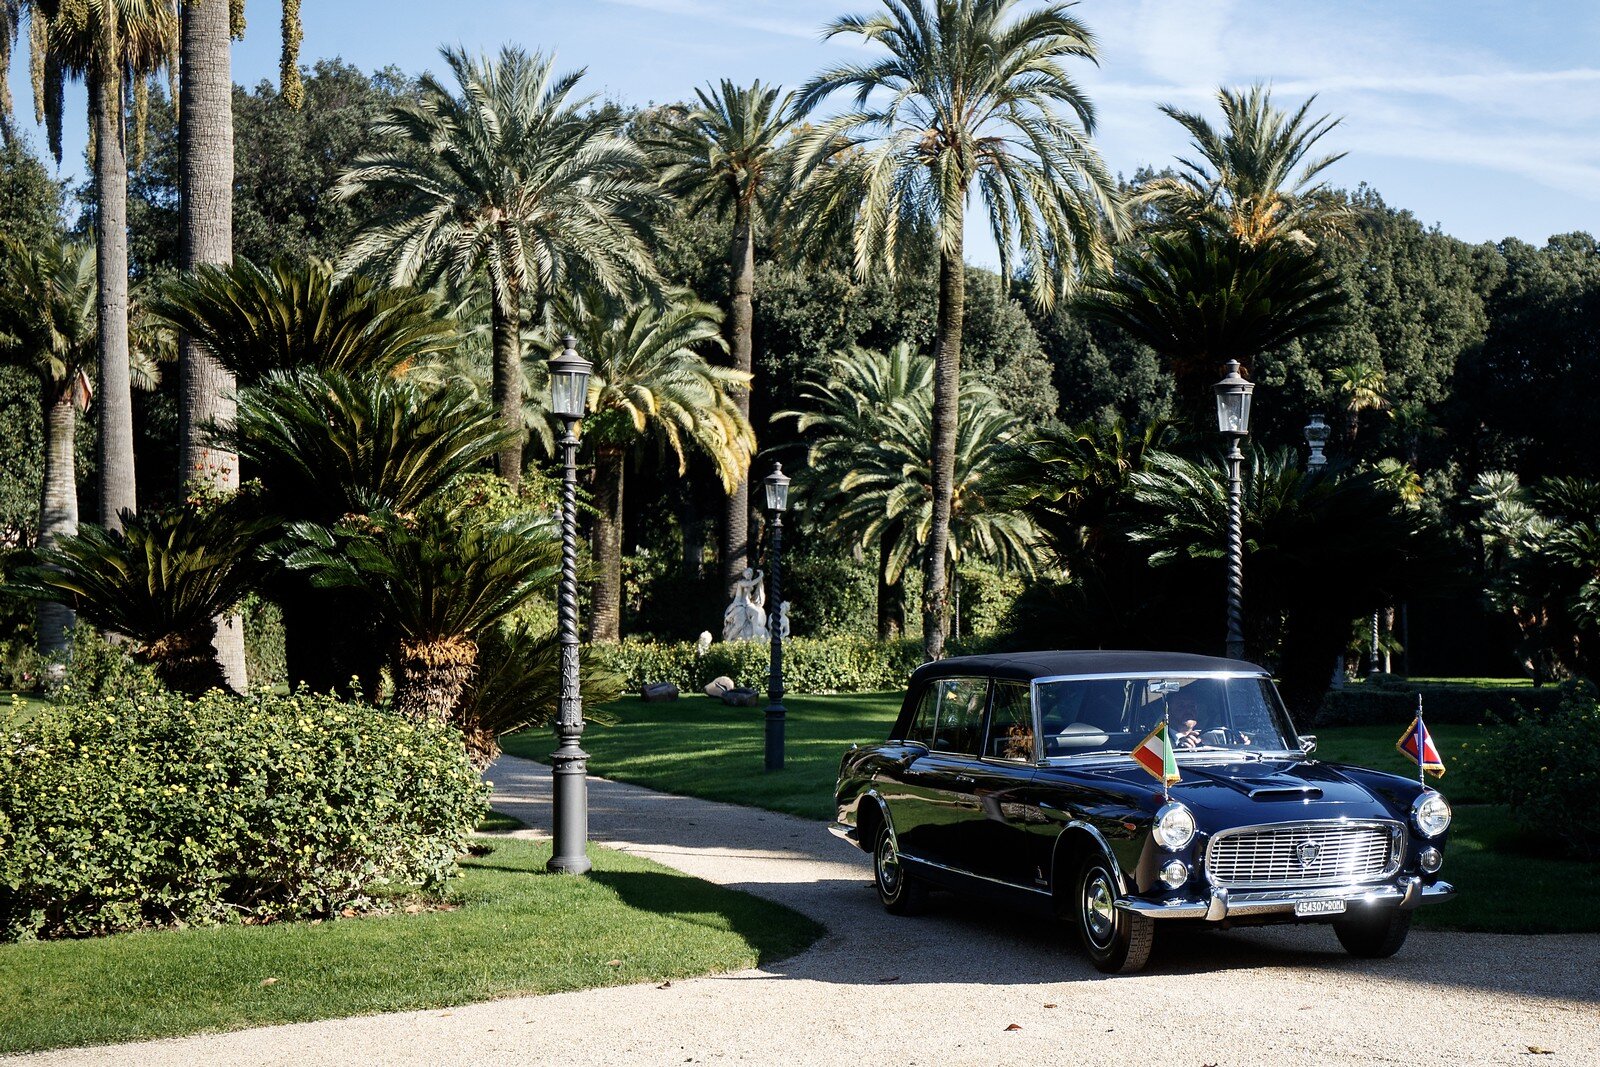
x,y
1397,849
968,874
1410,893
1139,675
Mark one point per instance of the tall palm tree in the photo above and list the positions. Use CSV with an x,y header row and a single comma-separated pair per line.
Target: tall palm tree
x,y
650,383
1244,181
846,405
250,321
973,94
513,176
1361,385
113,46
729,153
1200,297
47,325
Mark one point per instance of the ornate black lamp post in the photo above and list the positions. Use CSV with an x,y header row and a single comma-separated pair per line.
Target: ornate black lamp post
x,y
569,397
777,486
1233,420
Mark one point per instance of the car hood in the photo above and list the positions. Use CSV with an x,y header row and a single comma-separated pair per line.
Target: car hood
x,y
1259,791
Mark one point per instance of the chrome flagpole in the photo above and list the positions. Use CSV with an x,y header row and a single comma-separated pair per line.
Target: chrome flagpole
x,y
1418,735
1166,713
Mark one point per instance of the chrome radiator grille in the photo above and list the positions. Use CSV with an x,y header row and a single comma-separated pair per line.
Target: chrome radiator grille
x,y
1301,854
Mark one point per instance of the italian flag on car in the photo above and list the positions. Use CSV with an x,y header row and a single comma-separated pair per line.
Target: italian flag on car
x,y
1154,754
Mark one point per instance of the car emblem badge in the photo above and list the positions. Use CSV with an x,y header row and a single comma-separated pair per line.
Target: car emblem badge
x,y
1307,852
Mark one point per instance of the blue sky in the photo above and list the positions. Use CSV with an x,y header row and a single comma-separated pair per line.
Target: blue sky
x,y
1481,116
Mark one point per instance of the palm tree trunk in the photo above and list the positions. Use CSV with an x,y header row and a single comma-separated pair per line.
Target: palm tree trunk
x,y
505,324
205,140
891,595
605,600
58,503
742,274
946,389
115,398
430,676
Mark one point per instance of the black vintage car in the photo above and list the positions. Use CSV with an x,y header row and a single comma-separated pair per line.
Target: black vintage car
x,y
1012,776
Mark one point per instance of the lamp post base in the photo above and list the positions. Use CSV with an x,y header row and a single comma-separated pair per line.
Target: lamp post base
x,y
571,811
774,735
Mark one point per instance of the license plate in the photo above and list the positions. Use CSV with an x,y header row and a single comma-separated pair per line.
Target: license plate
x,y
1319,907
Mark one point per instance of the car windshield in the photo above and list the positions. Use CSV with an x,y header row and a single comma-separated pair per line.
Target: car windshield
x,y
1208,714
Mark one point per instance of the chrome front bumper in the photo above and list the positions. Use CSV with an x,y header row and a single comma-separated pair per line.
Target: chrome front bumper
x,y
844,832
1408,893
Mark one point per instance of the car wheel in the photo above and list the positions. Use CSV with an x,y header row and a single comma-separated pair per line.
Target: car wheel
x,y
900,891
1118,941
1374,937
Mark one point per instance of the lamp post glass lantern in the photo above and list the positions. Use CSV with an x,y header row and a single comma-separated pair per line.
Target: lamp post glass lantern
x,y
777,487
569,396
1233,421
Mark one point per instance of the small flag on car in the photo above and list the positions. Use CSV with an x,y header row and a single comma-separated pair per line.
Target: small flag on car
x,y
1154,754
1417,743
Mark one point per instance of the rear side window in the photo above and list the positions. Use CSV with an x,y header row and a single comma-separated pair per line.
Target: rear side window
x,y
960,718
1010,724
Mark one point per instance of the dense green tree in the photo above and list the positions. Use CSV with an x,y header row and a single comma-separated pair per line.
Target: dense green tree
x,y
729,153
973,96
511,175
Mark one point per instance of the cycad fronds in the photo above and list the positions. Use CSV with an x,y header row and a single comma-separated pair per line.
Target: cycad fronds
x,y
328,444
298,316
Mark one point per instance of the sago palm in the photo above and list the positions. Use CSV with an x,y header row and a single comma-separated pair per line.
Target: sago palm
x,y
511,175
47,326
435,582
1244,181
161,580
324,445
650,383
729,154
974,95
299,316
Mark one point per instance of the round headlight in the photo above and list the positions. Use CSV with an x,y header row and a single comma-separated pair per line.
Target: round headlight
x,y
1174,874
1431,813
1174,826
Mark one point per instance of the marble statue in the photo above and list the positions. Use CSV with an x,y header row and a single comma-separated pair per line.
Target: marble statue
x,y
703,645
746,617
783,620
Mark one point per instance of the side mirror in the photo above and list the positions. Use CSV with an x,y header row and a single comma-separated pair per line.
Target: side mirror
x,y
1308,744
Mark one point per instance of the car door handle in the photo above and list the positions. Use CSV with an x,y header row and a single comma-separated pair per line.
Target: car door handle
x,y
964,779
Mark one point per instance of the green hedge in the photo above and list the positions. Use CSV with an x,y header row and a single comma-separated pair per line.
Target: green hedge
x,y
1393,701
810,664
120,812
1545,769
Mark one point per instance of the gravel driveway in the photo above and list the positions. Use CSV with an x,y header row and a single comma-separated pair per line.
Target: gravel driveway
x,y
960,985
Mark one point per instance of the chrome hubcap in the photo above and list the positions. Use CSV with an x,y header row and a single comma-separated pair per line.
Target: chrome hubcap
x,y
888,867
1099,913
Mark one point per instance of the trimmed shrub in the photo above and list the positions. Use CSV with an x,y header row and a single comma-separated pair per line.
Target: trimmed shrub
x,y
120,812
810,664
1544,768
1372,702
265,661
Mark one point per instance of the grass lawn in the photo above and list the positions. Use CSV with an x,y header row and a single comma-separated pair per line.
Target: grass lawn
x,y
517,931
698,747
29,707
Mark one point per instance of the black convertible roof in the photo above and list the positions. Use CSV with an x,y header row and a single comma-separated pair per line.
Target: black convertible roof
x,y
1027,666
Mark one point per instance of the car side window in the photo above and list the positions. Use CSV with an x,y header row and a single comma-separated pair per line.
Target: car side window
x,y
1010,724
927,714
961,707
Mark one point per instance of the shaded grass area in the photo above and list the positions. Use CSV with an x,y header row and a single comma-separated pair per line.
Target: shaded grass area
x,y
699,747
1509,881
24,705
498,822
517,931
